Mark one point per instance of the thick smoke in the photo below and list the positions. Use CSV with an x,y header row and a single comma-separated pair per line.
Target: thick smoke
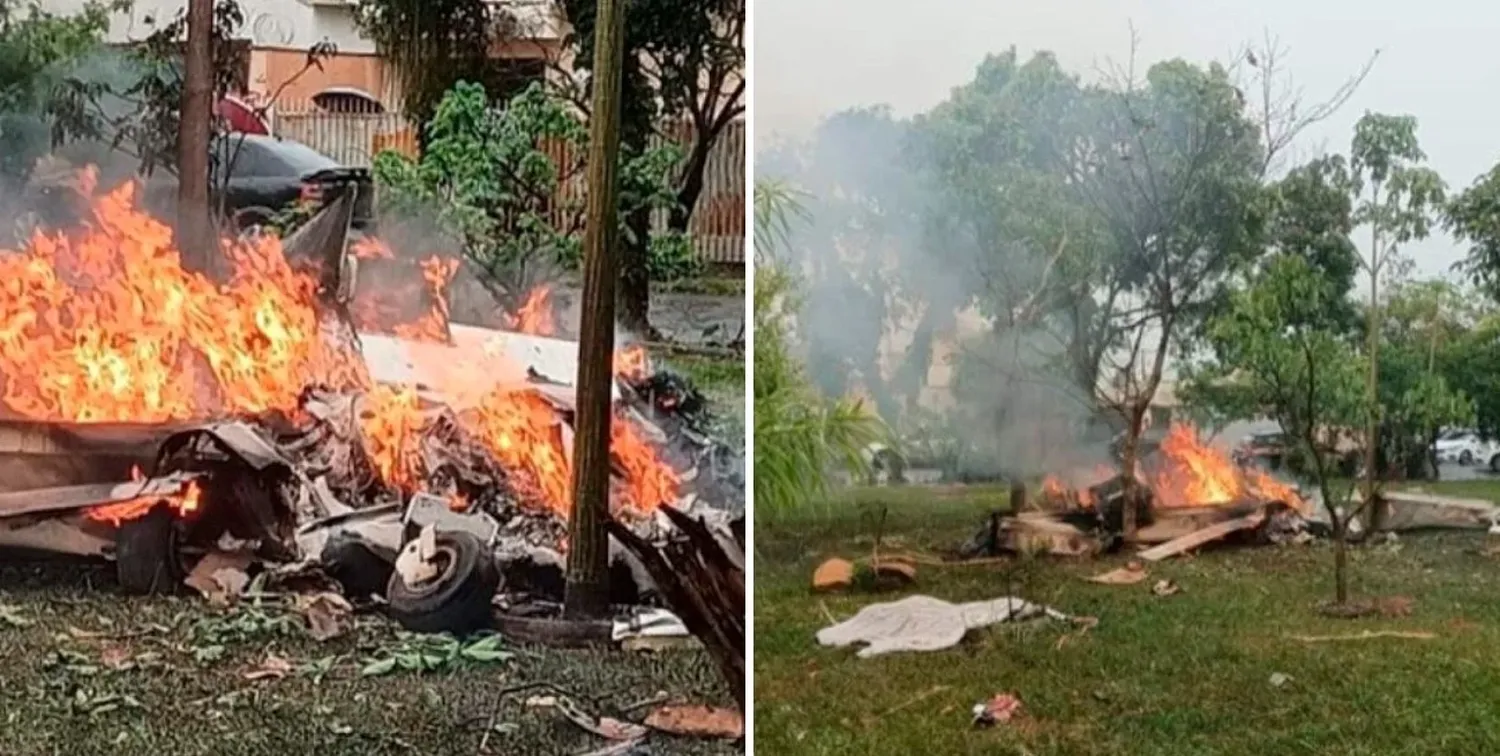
x,y
903,301
37,166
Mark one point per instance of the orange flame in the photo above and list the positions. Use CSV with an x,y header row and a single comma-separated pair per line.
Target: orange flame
x,y
522,430
104,324
631,362
1053,488
370,248
535,314
391,423
121,512
432,325
649,482
1197,475
458,502
417,310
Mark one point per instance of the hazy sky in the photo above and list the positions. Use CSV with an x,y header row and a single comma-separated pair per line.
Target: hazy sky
x,y
1438,60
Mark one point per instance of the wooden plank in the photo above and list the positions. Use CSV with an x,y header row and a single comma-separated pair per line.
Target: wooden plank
x,y
1171,523
703,584
1199,537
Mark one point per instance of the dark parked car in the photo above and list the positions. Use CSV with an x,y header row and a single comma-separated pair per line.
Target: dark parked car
x,y
268,175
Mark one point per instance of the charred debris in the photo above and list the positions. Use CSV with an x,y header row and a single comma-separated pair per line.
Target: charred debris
x,y
1090,522
304,496
1187,495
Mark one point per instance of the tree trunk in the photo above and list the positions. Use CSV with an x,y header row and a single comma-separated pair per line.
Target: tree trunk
x,y
195,232
587,594
1338,522
635,277
1017,494
1340,559
1128,463
692,182
1376,516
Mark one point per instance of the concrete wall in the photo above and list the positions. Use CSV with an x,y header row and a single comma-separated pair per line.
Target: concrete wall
x,y
295,24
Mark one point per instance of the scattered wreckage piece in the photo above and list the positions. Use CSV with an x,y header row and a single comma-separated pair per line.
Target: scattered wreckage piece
x,y
651,629
542,623
443,581
702,578
1419,510
1197,538
876,572
1032,533
1132,573
833,575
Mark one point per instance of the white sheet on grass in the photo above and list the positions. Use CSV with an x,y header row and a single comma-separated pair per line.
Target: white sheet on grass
x,y
924,623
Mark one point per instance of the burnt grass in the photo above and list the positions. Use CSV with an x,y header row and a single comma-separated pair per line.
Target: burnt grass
x,y
155,683
1185,674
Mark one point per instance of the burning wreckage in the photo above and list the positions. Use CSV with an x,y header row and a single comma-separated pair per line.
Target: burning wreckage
x,y
1187,494
296,415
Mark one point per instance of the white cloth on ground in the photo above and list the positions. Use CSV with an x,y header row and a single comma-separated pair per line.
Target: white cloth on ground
x,y
924,623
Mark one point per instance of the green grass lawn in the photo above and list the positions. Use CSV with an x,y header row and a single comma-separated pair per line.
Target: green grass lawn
x,y
721,379
1185,674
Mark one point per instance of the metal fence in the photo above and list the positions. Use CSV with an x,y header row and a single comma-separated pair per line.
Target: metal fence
x,y
718,218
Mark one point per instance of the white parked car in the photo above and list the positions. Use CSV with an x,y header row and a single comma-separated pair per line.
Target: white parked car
x,y
1466,447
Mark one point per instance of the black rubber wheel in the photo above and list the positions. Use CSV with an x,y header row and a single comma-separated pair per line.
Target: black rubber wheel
x,y
357,568
146,558
458,600
1495,464
1466,458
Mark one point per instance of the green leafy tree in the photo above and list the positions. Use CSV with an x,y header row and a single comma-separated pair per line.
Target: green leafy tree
x,y
39,104
801,437
492,180
1473,217
1003,154
1310,219
1471,363
684,59
1423,324
1175,178
1278,353
1397,197
433,44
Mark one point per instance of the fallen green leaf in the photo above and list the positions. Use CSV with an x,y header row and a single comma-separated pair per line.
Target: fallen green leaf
x,y
379,667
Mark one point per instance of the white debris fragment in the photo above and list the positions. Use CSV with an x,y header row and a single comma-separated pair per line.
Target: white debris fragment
x,y
648,623
416,562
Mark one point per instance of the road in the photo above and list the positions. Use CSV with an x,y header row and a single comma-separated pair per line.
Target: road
x,y
683,318
1459,472
687,318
